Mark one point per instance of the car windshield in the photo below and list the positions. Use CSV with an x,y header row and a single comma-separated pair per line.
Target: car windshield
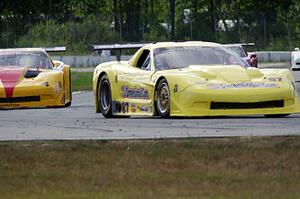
x,y
237,49
24,59
184,56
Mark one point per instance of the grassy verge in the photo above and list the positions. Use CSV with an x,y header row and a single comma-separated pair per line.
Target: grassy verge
x,y
191,168
82,81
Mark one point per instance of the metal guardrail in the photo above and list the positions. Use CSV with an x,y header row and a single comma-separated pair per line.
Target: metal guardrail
x,y
94,60
88,60
274,56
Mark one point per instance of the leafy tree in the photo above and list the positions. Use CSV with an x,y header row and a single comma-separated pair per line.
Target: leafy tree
x,y
271,24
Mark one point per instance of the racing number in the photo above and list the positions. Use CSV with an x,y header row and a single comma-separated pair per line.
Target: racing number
x,y
119,107
125,106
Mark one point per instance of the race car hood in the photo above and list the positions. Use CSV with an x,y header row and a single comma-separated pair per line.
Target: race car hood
x,y
225,73
11,76
229,73
216,74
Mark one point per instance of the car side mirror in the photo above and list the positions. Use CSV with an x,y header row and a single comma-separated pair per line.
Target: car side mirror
x,y
57,64
253,55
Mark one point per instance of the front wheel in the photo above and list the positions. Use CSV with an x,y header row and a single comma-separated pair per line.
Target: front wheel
x,y
163,99
104,97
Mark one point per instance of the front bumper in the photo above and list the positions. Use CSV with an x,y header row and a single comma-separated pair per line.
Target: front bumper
x,y
199,101
27,96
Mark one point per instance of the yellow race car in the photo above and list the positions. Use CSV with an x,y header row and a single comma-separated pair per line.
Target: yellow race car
x,y
190,79
30,78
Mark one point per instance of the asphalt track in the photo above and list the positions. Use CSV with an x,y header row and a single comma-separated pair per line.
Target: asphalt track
x,y
80,122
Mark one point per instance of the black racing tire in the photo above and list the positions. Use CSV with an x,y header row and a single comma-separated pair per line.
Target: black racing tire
x,y
276,115
68,104
162,102
104,97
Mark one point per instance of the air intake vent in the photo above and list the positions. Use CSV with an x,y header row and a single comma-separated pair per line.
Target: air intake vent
x,y
20,99
31,73
250,105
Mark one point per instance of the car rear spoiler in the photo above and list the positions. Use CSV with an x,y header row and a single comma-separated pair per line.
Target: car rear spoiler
x,y
117,47
55,49
240,44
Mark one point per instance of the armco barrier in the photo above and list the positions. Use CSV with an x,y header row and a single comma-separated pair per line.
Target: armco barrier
x,y
94,60
274,56
87,61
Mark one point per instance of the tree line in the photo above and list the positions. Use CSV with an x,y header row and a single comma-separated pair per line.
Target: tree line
x,y
271,24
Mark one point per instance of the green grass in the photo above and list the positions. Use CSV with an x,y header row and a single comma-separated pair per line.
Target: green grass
x,y
187,168
82,81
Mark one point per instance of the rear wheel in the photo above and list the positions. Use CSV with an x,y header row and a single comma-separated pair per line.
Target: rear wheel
x,y
163,99
104,97
277,115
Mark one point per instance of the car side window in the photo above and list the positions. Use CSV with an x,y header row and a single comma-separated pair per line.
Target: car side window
x,y
144,61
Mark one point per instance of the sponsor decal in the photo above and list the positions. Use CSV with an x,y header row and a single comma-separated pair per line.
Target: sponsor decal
x,y
242,85
133,108
124,107
144,108
134,93
116,107
9,105
120,107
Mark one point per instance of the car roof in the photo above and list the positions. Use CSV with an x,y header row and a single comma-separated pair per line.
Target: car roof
x,y
13,50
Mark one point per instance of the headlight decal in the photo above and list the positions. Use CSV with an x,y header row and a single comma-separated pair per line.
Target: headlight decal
x,y
275,79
